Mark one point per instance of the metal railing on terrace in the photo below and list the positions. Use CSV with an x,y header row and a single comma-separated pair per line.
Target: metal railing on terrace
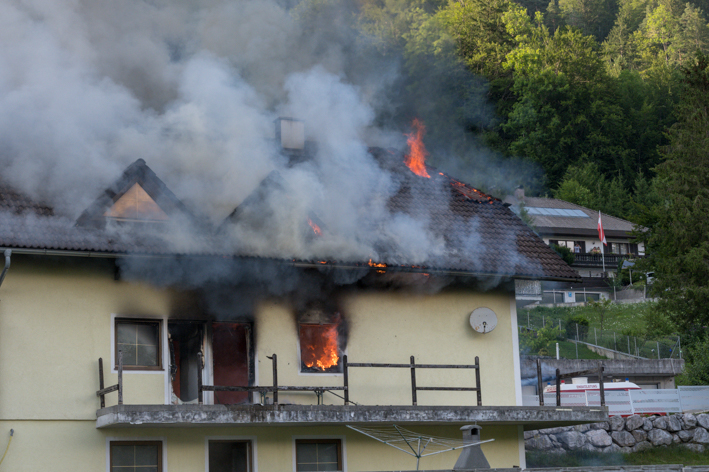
x,y
667,347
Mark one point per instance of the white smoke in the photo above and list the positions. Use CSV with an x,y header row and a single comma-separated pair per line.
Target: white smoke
x,y
193,88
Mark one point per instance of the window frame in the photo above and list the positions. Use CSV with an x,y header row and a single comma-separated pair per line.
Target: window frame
x,y
340,350
321,440
128,320
135,442
252,448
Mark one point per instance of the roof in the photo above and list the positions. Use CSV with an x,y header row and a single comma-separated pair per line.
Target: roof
x,y
480,234
573,225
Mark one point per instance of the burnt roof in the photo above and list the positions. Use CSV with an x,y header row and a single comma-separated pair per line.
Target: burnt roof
x,y
482,235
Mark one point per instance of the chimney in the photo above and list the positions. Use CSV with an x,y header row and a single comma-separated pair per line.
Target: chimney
x,y
471,457
290,133
519,193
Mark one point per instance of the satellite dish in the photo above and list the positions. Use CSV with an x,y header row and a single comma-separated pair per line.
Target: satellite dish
x,y
483,320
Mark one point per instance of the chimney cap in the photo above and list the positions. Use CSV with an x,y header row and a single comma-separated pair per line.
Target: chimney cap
x,y
471,427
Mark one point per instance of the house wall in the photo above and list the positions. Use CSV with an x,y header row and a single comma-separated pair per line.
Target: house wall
x,y
77,446
56,318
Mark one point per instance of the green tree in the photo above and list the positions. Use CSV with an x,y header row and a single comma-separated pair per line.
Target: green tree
x,y
678,240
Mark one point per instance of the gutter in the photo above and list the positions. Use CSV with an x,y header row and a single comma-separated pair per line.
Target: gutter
x,y
8,253
300,264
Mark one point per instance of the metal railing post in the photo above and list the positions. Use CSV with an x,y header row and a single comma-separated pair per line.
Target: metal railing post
x,y
274,361
558,387
540,390
120,377
477,381
413,381
600,381
100,382
200,387
346,379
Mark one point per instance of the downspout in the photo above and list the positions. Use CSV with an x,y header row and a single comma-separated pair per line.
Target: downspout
x,y
8,253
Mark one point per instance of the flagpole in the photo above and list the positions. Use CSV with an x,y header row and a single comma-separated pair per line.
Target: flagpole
x,y
603,259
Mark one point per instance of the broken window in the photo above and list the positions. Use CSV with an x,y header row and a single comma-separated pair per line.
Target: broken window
x,y
139,341
318,454
226,359
136,456
229,456
319,348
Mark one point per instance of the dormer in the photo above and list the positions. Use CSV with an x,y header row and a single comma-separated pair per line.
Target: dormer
x,y
137,197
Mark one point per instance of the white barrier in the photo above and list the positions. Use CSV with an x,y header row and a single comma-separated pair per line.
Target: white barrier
x,y
625,403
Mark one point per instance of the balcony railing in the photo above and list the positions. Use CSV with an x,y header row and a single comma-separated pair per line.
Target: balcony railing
x,y
275,388
611,260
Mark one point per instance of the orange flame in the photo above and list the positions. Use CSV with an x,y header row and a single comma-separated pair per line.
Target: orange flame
x,y
316,228
319,346
376,264
416,158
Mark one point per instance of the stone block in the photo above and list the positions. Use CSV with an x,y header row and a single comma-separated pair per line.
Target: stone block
x,y
676,439
603,425
529,434
623,438
673,424
685,435
571,439
599,438
694,447
659,437
639,435
647,424
617,423
582,428
703,420
701,436
558,430
689,421
625,450
642,446
634,422
611,448
659,422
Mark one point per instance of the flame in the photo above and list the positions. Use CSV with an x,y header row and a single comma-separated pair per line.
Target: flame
x,y
416,158
376,264
316,228
319,346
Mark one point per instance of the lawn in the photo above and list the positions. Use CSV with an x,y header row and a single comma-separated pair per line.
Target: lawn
x,y
674,454
628,318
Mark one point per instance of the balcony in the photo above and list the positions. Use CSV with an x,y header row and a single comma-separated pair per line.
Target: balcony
x,y
596,260
265,414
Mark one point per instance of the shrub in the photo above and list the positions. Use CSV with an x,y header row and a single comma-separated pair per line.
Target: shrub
x,y
583,324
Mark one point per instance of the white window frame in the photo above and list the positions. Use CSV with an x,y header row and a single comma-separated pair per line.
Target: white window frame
x,y
251,439
161,439
343,443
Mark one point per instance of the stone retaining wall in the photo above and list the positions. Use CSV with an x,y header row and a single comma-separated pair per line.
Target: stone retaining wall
x,y
632,434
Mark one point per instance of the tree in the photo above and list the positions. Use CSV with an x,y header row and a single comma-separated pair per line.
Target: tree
x,y
678,240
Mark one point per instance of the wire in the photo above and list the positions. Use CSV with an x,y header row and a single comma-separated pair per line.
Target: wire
x,y
340,396
12,432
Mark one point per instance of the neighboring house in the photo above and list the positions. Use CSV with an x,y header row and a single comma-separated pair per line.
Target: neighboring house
x,y
188,314
576,228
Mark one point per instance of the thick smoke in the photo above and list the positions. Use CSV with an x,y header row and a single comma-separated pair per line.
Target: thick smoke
x,y
193,88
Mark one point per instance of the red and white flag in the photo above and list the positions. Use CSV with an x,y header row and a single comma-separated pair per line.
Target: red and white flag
x,y
601,234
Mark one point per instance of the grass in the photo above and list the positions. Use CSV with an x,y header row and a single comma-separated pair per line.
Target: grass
x,y
674,454
619,318
567,350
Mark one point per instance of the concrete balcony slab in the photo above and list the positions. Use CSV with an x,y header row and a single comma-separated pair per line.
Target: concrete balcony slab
x,y
293,415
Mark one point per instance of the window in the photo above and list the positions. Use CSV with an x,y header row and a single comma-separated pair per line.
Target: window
x,y
136,456
229,456
318,454
139,341
577,247
319,348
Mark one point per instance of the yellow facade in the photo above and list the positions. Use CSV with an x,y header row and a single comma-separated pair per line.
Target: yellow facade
x,y
56,320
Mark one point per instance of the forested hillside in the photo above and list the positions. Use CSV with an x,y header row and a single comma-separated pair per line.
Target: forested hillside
x,y
586,89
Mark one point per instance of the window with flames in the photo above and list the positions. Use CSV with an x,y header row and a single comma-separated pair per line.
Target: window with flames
x,y
319,348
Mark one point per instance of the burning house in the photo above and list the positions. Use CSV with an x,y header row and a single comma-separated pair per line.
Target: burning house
x,y
140,336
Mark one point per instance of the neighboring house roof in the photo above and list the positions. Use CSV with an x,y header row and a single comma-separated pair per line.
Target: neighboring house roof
x,y
482,236
577,225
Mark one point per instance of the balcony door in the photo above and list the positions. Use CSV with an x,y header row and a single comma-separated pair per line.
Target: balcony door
x,y
226,348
